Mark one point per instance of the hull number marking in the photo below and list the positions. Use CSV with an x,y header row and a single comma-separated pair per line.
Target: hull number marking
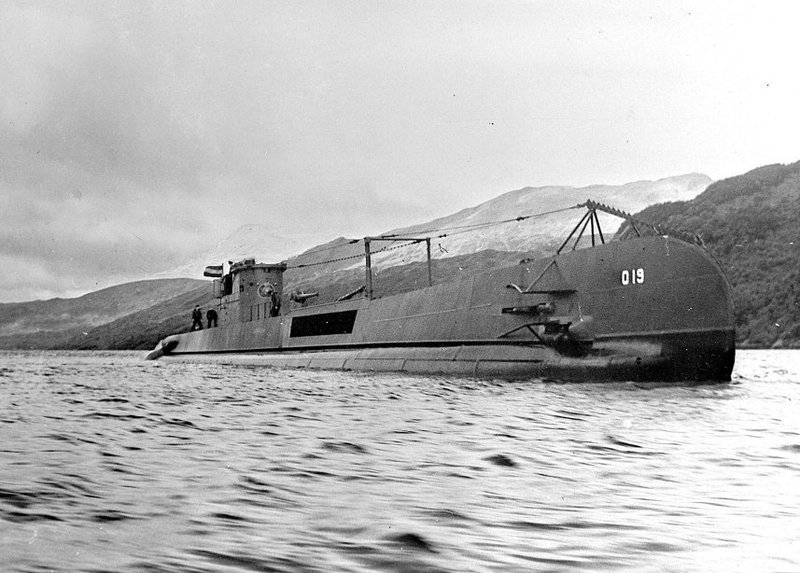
x,y
632,277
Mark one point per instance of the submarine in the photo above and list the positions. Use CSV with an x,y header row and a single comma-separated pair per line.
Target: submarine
x,y
650,305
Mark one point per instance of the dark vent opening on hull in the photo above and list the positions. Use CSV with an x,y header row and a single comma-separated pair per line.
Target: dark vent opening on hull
x,y
321,324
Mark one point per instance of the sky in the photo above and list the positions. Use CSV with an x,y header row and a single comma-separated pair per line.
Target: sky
x,y
135,135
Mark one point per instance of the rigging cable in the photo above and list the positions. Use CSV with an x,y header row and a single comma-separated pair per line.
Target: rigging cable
x,y
491,223
458,229
352,257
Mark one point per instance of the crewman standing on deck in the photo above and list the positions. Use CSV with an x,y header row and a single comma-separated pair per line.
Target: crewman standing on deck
x,y
211,316
197,318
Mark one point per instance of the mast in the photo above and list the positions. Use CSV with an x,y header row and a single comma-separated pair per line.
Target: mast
x,y
368,254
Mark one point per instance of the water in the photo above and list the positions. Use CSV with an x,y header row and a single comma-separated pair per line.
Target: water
x,y
109,463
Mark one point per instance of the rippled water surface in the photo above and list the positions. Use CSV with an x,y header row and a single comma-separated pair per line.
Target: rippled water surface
x,y
110,463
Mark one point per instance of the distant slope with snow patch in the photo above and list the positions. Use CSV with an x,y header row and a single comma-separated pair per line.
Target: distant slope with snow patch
x,y
538,235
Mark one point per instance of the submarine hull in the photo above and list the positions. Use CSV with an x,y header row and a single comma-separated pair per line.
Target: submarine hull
x,y
490,361
646,309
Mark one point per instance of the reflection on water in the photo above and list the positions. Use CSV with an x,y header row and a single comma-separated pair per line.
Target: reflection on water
x,y
111,463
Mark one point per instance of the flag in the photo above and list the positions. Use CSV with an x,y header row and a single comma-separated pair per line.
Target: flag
x,y
213,271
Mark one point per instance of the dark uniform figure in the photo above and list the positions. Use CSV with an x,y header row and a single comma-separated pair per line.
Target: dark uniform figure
x,y
197,318
211,316
275,304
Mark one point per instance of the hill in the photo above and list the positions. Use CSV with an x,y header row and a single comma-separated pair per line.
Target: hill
x,y
751,223
143,329
52,323
539,235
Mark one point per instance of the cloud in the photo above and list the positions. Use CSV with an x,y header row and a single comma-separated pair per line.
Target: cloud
x,y
103,177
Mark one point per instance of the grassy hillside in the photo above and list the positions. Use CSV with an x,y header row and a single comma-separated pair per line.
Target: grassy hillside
x,y
751,223
54,323
142,330
39,340
89,310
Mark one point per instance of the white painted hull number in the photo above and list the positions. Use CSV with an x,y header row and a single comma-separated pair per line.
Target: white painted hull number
x,y
632,277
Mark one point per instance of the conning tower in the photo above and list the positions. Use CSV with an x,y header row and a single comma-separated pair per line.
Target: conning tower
x,y
250,291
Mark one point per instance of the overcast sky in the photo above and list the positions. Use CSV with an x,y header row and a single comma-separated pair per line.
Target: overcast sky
x,y
134,135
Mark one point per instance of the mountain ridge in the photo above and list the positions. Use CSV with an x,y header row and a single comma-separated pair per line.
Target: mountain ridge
x,y
90,310
258,241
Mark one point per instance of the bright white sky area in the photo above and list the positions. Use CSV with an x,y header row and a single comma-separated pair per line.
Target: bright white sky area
x,y
134,135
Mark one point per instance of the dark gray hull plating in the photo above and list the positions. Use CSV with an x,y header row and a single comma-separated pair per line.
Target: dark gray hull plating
x,y
649,309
